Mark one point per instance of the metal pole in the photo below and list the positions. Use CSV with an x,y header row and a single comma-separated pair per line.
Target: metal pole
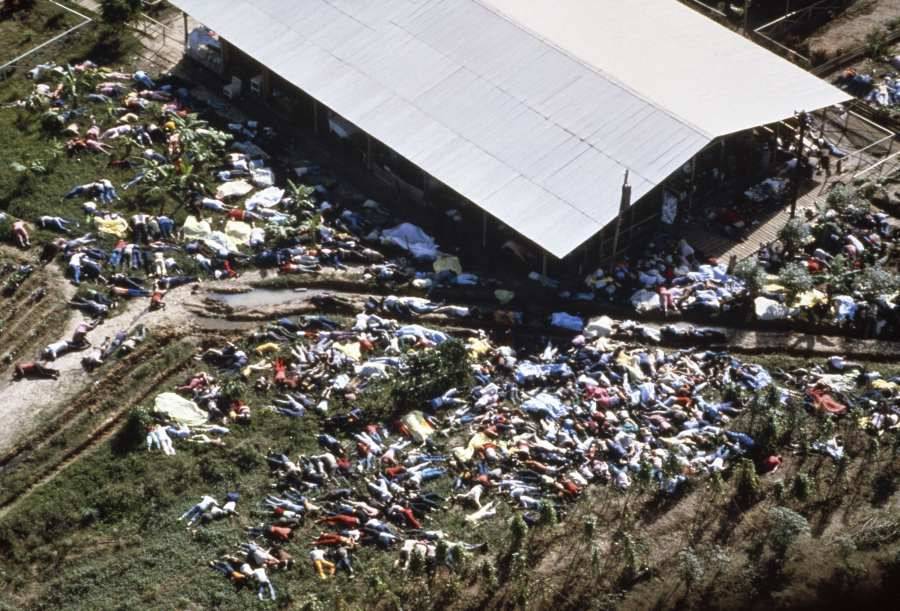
x,y
368,152
184,16
544,263
747,5
484,224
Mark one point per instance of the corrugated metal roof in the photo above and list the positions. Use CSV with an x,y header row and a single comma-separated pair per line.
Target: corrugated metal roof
x,y
509,104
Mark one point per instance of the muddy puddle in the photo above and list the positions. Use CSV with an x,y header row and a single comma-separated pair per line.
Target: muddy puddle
x,y
260,298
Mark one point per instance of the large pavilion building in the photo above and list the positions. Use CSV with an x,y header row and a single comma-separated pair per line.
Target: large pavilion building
x,y
531,110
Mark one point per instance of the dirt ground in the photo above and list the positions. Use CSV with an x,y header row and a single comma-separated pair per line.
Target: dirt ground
x,y
850,29
28,403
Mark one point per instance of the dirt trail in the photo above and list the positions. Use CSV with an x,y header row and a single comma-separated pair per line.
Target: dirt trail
x,y
26,403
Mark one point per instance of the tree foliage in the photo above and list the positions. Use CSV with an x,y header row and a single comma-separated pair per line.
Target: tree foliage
x,y
752,273
795,279
873,282
427,374
118,12
785,526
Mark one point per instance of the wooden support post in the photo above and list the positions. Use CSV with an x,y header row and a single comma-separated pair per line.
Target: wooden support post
x,y
691,187
226,57
795,187
315,115
624,204
266,90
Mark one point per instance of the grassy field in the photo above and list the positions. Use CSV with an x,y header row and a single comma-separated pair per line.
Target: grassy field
x,y
22,29
108,535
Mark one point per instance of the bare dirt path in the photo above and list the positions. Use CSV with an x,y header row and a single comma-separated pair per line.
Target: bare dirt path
x,y
850,29
27,403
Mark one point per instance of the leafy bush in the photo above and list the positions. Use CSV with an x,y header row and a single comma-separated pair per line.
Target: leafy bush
x,y
785,526
802,487
747,487
876,42
429,373
118,12
793,234
132,435
873,282
752,273
795,279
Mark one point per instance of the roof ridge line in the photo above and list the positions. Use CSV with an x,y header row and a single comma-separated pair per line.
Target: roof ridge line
x,y
597,70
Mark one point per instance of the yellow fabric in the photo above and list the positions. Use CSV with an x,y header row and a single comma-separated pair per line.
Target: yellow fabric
x,y
773,287
117,227
810,298
352,350
465,454
239,231
884,385
266,348
478,347
418,426
194,229
448,262
628,362
179,409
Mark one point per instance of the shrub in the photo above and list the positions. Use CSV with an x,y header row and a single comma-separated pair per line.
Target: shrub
x,y
784,527
876,42
548,514
133,434
752,273
690,567
874,282
792,235
118,12
518,529
747,487
429,373
795,279
802,487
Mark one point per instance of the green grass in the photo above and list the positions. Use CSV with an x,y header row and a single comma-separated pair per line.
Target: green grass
x,y
21,30
104,534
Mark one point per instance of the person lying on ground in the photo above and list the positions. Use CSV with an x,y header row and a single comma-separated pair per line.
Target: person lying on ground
x,y
79,337
88,144
103,189
194,513
32,369
157,437
218,513
90,307
271,532
235,570
156,300
20,234
129,292
56,350
320,564
203,439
